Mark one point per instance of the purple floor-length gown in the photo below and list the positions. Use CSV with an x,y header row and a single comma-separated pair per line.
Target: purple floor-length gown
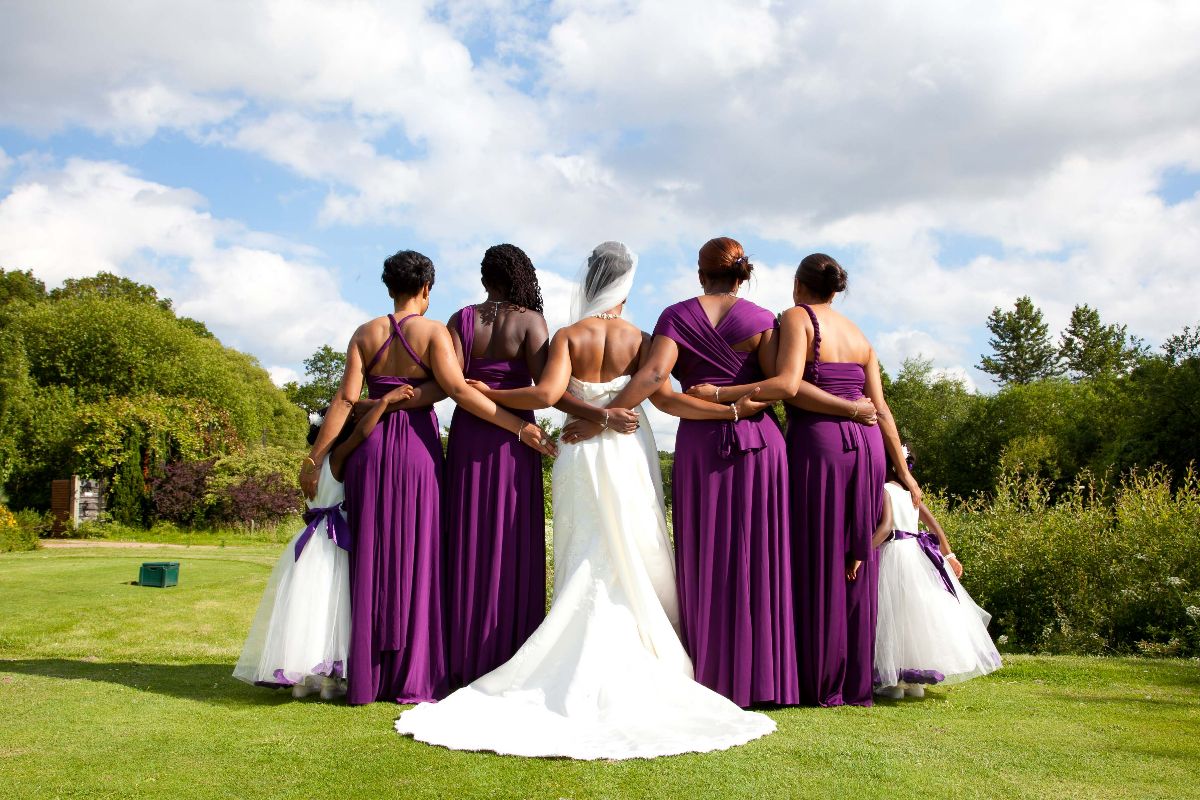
x,y
494,552
837,474
733,562
393,496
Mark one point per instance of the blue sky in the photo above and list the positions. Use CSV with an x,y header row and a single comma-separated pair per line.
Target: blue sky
x,y
257,161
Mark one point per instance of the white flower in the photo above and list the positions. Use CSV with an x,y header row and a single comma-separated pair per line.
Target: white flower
x,y
1173,581
1193,612
315,419
1003,639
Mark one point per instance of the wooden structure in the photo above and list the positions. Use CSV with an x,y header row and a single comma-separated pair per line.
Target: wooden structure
x,y
74,500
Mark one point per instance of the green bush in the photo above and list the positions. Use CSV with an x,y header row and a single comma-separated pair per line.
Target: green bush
x,y
16,532
1099,569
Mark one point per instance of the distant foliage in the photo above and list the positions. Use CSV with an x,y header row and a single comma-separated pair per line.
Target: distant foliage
x,y
323,370
13,535
1091,349
99,377
257,499
180,493
1021,347
1101,569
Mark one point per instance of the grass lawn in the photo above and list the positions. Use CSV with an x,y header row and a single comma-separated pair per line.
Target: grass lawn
x,y
113,690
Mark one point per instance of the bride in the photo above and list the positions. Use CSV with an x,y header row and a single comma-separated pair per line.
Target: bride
x,y
605,675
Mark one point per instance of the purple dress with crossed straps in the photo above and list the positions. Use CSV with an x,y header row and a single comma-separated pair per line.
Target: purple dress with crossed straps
x,y
732,557
494,553
837,469
393,504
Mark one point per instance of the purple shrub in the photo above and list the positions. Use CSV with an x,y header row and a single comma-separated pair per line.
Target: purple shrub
x,y
178,494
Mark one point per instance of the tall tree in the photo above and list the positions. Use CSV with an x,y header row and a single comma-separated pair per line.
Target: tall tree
x,y
1020,341
323,369
1090,348
109,286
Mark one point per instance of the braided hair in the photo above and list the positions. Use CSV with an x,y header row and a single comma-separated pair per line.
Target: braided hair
x,y
506,269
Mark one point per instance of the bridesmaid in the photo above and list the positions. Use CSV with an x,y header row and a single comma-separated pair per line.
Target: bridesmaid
x,y
733,562
837,476
393,490
495,527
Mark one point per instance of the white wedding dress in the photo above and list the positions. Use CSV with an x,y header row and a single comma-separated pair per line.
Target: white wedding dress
x,y
605,675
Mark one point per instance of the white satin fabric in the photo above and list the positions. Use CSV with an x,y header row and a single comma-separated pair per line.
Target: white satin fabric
x,y
605,675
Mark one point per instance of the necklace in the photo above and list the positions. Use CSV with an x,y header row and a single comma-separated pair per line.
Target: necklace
x,y
718,294
606,315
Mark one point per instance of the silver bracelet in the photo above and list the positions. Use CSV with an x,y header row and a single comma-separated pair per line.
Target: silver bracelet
x,y
733,406
604,427
716,394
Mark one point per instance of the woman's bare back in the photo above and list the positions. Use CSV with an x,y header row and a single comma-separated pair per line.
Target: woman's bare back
x,y
841,339
602,350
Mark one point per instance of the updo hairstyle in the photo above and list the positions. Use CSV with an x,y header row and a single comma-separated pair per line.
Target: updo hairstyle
x,y
724,259
821,275
405,272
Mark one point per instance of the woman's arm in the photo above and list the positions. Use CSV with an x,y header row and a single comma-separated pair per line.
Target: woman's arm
x,y
815,399
887,426
423,395
537,346
781,354
335,417
655,368
448,373
886,525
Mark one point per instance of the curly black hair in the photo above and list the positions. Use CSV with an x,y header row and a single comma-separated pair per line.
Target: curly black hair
x,y
506,269
405,272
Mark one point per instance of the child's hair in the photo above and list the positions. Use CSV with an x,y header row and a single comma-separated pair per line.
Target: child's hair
x,y
317,419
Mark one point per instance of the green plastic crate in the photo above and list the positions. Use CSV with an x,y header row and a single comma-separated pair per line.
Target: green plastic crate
x,y
160,574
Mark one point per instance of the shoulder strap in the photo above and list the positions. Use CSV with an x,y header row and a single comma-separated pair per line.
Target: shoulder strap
x,y
399,334
816,362
466,334
379,353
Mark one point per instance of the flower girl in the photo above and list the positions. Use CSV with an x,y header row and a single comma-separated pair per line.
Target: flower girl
x,y
929,630
301,632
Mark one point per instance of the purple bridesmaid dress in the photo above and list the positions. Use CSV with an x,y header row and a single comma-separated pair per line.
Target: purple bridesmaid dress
x,y
393,494
732,556
837,476
494,546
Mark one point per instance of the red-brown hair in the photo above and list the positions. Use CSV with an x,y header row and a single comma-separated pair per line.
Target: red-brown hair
x,y
724,258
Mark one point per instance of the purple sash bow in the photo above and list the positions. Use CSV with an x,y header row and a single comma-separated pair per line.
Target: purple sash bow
x,y
335,527
929,546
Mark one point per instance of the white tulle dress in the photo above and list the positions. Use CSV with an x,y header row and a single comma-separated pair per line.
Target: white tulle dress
x,y
605,675
301,631
926,634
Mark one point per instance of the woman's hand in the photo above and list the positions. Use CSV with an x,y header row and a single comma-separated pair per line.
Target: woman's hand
x,y
482,388
533,436
706,391
747,406
955,565
309,473
623,420
910,483
864,411
852,569
580,430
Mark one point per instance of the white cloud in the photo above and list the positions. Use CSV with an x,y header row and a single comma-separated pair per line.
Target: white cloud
x,y
90,216
871,131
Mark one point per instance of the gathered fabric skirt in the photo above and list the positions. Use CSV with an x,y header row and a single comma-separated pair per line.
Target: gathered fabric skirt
x,y
494,546
733,562
925,634
393,505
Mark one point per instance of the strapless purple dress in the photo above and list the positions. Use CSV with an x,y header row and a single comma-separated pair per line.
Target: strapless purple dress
x,y
837,471
393,497
494,554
